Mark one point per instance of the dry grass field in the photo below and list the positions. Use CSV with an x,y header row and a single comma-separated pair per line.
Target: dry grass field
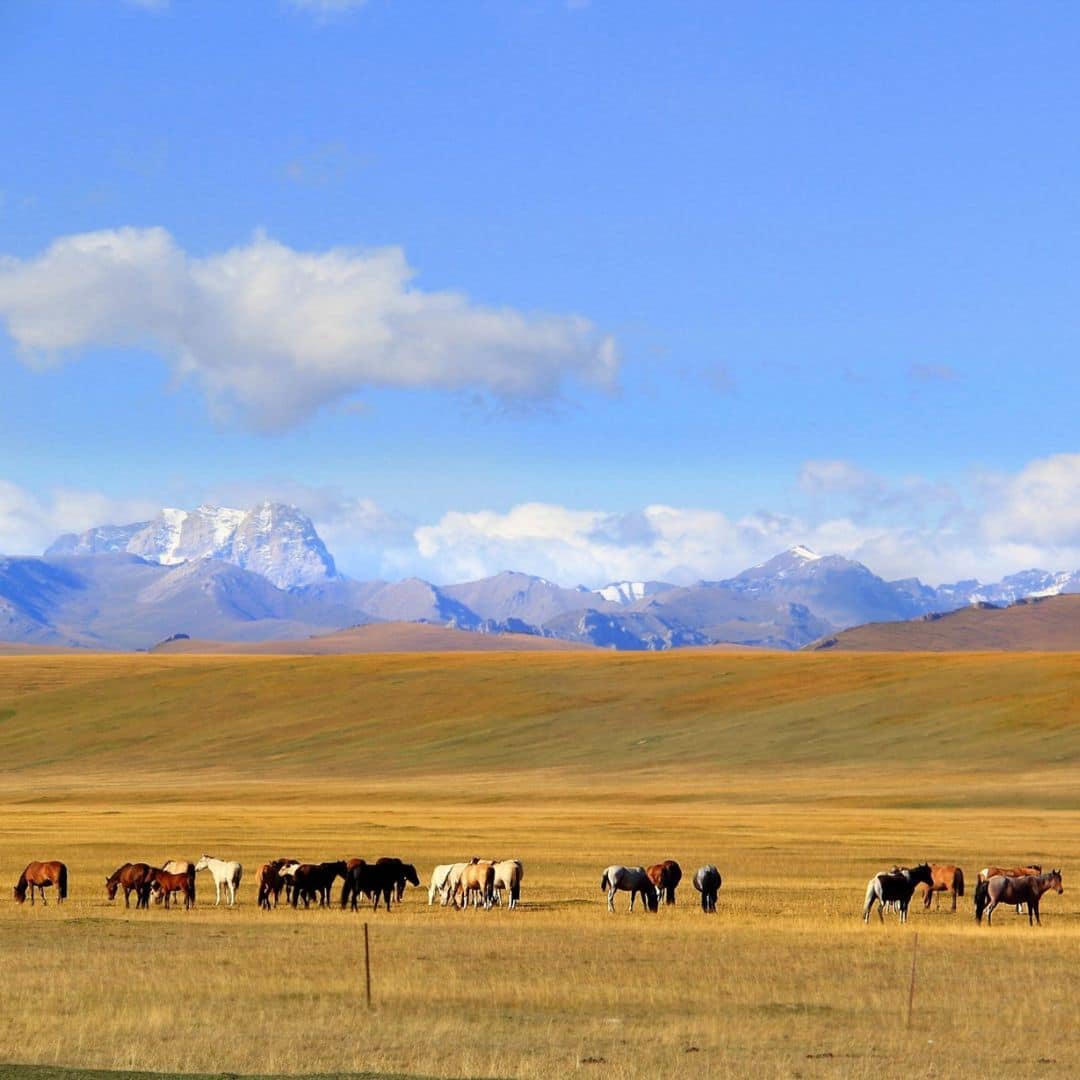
x,y
799,776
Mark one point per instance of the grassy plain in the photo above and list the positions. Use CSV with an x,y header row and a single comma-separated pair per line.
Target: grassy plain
x,y
799,776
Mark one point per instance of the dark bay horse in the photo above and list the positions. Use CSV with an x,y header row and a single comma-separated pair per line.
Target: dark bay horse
x,y
312,881
134,878
665,876
40,875
1015,890
948,879
165,882
895,887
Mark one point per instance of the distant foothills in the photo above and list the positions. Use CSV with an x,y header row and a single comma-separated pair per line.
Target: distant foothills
x,y
264,574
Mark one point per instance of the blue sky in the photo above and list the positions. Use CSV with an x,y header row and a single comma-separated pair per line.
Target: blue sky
x,y
589,289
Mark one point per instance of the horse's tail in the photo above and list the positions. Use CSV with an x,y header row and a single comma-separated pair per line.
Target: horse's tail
x,y
604,883
958,881
61,883
191,881
982,891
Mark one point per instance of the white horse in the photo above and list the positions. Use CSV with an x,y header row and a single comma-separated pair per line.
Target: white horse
x,y
508,875
223,873
441,884
631,879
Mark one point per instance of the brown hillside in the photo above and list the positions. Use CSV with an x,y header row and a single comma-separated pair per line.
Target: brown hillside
x,y
1046,624
393,637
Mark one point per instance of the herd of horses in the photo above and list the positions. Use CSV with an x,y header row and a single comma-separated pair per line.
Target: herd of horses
x,y
1022,886
482,883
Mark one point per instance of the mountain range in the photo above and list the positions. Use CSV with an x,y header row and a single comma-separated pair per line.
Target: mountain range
x,y
264,574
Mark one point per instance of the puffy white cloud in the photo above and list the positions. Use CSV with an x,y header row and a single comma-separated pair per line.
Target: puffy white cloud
x,y
1039,506
30,522
277,333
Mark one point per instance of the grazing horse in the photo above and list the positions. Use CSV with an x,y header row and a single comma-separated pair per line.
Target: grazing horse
x,y
176,866
164,884
40,875
631,879
132,878
477,883
224,873
1015,890
895,886
314,881
948,879
508,875
269,881
403,874
707,881
440,882
665,876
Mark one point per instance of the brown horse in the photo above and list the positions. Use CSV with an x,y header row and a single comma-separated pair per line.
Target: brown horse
x,y
132,878
164,883
312,881
40,875
665,876
269,882
1015,890
987,872
175,866
948,879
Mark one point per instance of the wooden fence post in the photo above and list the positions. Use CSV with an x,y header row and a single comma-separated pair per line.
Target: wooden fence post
x,y
911,988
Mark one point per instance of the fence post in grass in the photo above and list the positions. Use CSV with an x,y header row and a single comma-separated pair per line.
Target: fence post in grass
x,y
911,988
367,966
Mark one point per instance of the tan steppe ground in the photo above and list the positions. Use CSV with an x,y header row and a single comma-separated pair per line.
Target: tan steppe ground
x,y
798,775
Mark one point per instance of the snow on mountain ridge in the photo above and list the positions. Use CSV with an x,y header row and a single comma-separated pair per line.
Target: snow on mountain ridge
x,y
277,541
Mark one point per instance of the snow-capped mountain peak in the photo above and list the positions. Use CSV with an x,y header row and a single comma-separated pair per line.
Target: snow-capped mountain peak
x,y
627,592
804,553
277,541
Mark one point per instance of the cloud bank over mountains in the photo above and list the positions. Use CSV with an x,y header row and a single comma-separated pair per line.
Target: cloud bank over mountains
x,y
271,334
913,528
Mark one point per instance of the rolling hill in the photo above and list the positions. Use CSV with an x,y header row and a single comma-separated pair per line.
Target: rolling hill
x,y
1042,624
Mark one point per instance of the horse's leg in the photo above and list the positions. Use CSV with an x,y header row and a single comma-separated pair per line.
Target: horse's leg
x,y
1033,909
611,899
954,898
990,912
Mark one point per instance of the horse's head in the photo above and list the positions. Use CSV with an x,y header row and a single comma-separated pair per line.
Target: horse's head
x,y
411,876
922,873
111,885
20,893
651,896
203,863
1055,881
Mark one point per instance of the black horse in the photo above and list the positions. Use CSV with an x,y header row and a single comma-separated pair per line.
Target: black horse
x,y
312,881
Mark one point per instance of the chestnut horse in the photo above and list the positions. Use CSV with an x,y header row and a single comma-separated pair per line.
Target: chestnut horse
x,y
665,876
164,883
40,875
132,878
1015,890
176,866
948,879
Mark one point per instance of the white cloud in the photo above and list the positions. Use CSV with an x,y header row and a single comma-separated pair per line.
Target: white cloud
x,y
275,334
30,522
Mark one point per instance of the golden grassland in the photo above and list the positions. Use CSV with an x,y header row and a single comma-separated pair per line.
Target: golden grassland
x,y
799,776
